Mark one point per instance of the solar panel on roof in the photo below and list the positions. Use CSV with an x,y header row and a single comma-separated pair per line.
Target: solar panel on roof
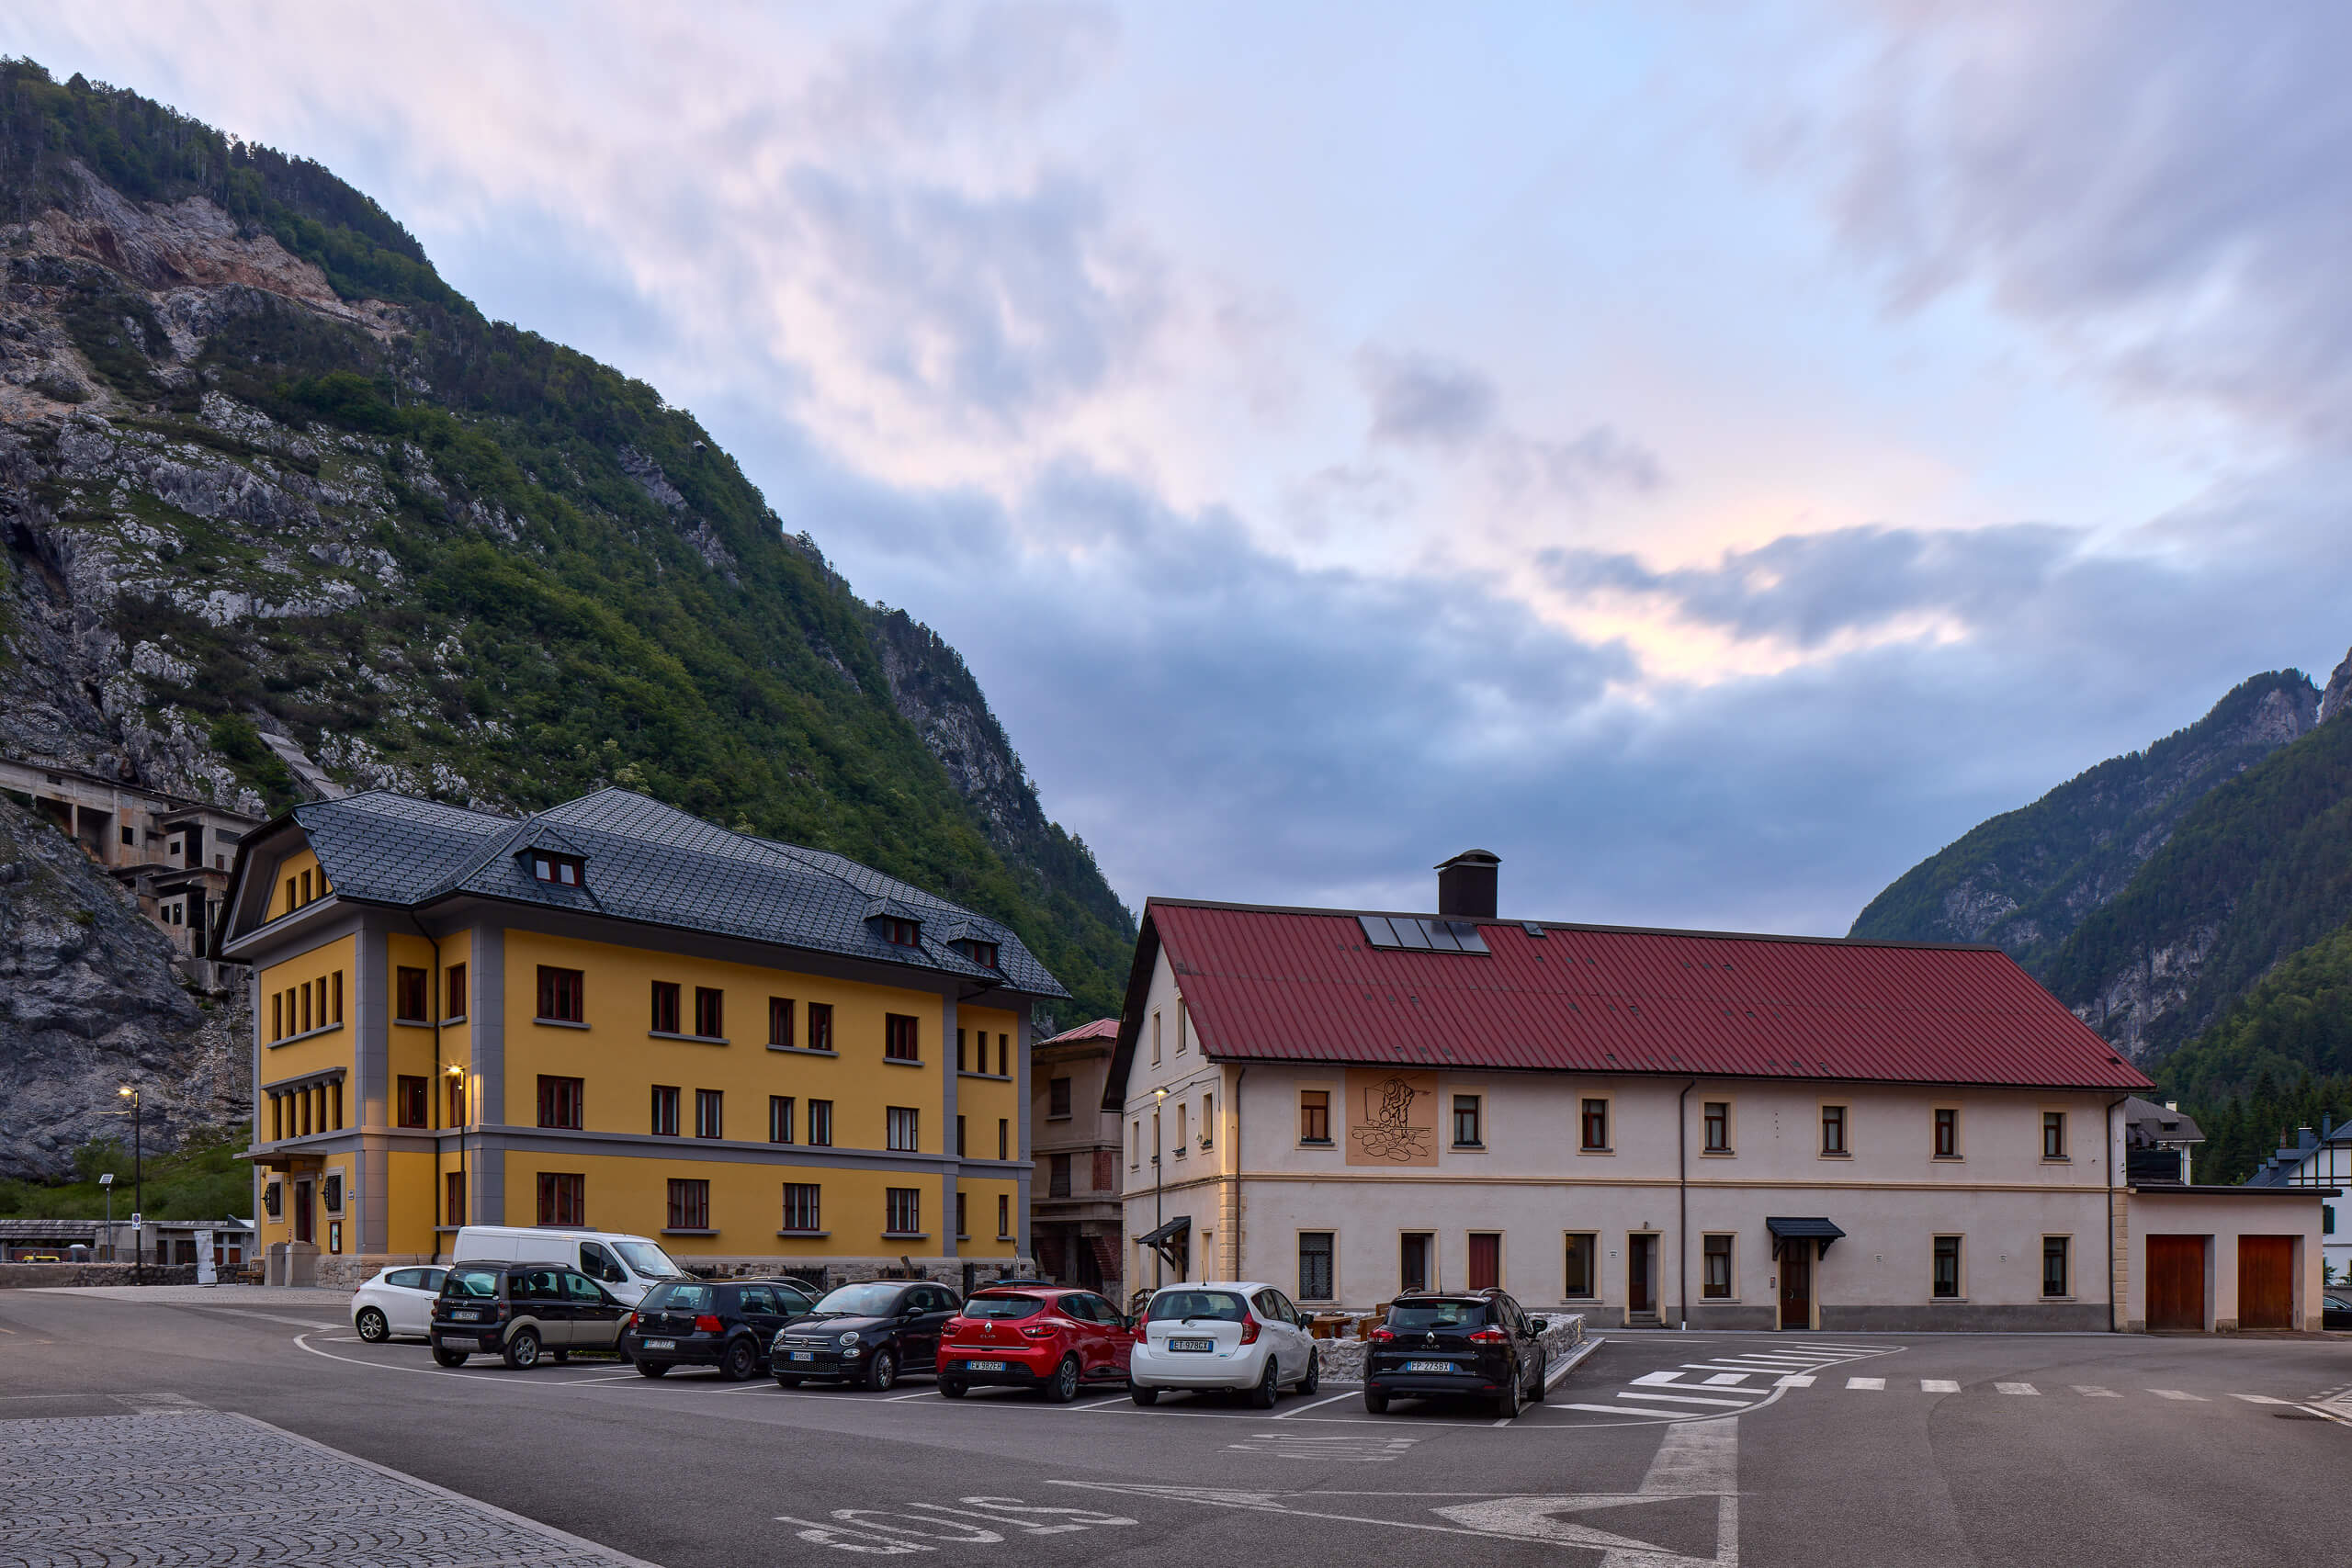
x,y
1466,933
1440,935
1410,934
1376,932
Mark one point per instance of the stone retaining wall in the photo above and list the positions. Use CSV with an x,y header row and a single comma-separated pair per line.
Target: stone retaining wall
x,y
28,1276
1343,1360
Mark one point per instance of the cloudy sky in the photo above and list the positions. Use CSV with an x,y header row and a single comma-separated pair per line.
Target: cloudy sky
x,y
1711,456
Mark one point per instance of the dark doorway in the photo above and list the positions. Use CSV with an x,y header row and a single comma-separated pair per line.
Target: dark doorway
x,y
2176,1283
2265,1281
1640,1275
1413,1263
1486,1260
1796,1285
301,1211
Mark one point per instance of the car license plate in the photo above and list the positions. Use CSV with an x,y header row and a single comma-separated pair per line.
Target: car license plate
x,y
804,1355
984,1366
1192,1345
661,1344
465,1318
1429,1366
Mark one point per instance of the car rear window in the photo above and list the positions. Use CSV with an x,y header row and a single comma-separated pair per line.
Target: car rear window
x,y
1001,1307
482,1283
1438,1314
1170,1305
680,1295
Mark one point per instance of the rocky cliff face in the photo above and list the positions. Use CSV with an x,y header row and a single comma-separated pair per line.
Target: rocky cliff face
x,y
89,1001
272,496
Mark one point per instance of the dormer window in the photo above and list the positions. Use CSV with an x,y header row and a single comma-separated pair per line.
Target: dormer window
x,y
980,952
564,871
900,933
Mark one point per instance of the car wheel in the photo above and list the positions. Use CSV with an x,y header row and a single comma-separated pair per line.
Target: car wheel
x,y
950,1389
1062,1387
741,1363
450,1358
1143,1396
881,1371
522,1351
1506,1403
1375,1401
652,1369
1314,1378
372,1327
781,1382
1268,1389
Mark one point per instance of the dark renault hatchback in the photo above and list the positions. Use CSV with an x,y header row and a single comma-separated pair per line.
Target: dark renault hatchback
x,y
1481,1344
702,1323
866,1333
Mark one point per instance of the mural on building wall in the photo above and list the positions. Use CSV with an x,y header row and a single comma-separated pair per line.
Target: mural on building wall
x,y
1392,1117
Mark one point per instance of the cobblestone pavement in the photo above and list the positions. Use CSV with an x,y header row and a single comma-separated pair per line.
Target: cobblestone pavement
x,y
172,1484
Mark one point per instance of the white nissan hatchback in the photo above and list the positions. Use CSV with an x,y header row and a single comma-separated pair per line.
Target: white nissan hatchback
x,y
1223,1334
396,1301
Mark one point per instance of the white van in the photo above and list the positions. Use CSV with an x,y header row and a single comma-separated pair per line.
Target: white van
x,y
627,1266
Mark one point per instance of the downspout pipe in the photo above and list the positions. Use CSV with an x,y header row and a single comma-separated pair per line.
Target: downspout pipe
x,y
1682,1197
2113,1325
1233,1228
433,1094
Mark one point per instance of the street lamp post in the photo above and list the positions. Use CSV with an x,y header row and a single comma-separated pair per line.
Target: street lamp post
x,y
1159,1243
138,1190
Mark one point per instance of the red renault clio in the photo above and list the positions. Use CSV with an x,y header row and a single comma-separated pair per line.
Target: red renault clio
x,y
1032,1335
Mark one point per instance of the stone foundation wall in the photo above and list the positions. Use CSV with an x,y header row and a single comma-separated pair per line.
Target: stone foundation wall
x,y
25,1276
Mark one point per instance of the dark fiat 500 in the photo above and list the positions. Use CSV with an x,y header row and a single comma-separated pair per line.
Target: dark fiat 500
x,y
699,1322
518,1311
1482,1345
867,1334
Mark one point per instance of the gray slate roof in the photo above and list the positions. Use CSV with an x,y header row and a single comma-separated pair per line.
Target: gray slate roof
x,y
650,862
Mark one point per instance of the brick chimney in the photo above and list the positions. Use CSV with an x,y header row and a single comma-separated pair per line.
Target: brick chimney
x,y
1465,885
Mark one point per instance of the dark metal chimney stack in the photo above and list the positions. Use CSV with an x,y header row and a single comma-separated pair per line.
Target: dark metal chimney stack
x,y
1465,885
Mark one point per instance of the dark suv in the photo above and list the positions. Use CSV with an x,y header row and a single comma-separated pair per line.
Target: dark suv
x,y
866,1333
517,1309
1479,1344
699,1322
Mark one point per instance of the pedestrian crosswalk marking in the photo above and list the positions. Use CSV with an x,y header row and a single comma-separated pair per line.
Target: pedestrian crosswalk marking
x,y
1686,1399
1725,1379
2092,1390
2260,1399
2017,1388
2177,1394
1798,1380
1938,1385
1866,1383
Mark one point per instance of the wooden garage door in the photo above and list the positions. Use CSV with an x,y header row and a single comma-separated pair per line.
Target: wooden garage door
x,y
2265,1281
2176,1281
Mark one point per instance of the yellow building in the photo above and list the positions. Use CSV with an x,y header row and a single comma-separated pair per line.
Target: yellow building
x,y
614,1015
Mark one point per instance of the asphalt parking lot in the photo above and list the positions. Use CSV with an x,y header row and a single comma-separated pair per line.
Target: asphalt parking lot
x,y
1658,1449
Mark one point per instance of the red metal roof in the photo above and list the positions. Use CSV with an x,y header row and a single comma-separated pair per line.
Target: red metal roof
x,y
1101,1029
1303,985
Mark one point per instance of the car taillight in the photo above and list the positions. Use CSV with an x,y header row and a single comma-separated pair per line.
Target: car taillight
x,y
706,1324
1249,1331
1142,1337
1383,1335
629,1323
1490,1336
1037,1333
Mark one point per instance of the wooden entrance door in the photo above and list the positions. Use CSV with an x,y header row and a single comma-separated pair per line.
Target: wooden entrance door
x,y
1413,1263
1641,1274
301,1211
1797,1286
1486,1260
2265,1281
2176,1281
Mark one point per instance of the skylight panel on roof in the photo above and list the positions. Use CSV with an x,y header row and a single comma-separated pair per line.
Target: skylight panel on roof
x,y
1395,932
1376,932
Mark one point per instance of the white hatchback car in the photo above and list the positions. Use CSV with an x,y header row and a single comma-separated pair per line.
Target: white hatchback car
x,y
396,1301
1223,1334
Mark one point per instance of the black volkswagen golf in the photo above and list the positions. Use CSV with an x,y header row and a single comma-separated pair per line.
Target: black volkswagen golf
x,y
725,1323
1478,1344
866,1333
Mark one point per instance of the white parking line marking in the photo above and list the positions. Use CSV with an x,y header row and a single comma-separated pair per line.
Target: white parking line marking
x,y
2260,1399
1318,1405
1866,1383
1725,1379
2178,1394
1655,1379
1795,1380
1938,1385
2017,1388
1619,1410
1690,1399
919,1394
2092,1390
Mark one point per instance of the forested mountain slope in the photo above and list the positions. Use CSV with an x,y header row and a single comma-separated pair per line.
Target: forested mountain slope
x,y
261,470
